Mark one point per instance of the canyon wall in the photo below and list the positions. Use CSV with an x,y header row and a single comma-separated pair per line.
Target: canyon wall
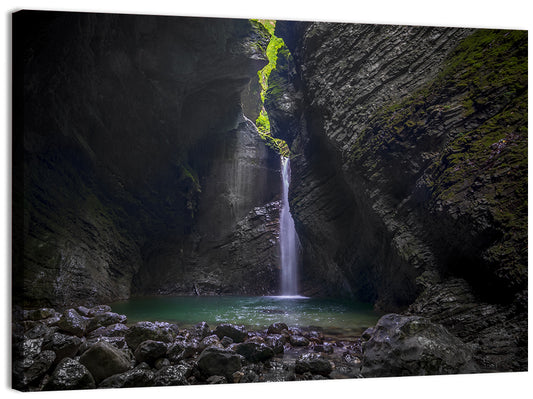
x,y
409,169
123,125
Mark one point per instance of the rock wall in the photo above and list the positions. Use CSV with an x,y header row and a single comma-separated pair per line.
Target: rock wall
x,y
117,126
410,171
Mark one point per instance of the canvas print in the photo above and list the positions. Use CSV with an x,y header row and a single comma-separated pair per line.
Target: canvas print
x,y
209,200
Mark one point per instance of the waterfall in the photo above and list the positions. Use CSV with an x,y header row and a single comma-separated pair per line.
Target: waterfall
x,y
288,237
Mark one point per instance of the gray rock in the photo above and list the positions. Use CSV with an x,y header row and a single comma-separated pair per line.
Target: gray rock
x,y
236,333
215,361
226,341
145,330
211,340
63,345
70,374
96,310
40,365
172,375
105,319
276,342
298,340
72,323
104,360
140,376
254,352
216,379
202,330
40,314
149,351
411,345
277,328
114,330
314,364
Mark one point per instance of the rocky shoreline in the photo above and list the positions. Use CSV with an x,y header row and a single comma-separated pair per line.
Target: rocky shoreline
x,y
86,348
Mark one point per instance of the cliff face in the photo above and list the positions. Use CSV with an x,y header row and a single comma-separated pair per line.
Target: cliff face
x,y
410,168
117,145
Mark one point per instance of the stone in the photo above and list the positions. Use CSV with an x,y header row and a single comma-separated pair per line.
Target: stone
x,y
140,376
105,319
277,328
172,375
254,352
62,345
104,360
145,330
216,379
236,333
96,310
202,330
215,361
113,330
226,341
412,345
149,351
276,342
162,362
70,374
211,340
314,364
298,340
40,365
72,323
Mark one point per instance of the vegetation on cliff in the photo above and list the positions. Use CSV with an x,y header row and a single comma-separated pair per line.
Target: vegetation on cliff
x,y
263,122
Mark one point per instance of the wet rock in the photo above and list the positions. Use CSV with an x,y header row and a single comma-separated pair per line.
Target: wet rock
x,y
145,330
114,330
70,374
72,323
140,376
411,345
324,347
104,360
172,375
236,333
40,330
298,340
215,361
254,352
277,328
105,319
149,351
276,342
226,341
40,365
162,362
63,345
211,340
83,311
99,309
202,330
314,364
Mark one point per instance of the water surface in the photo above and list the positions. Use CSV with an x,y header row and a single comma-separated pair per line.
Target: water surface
x,y
332,316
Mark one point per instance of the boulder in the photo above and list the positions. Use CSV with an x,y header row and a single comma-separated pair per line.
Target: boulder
x,y
411,345
277,328
202,330
226,341
104,360
96,310
105,319
149,351
254,352
70,374
211,340
63,345
236,333
172,375
276,342
313,363
41,364
72,323
145,330
140,376
215,361
114,330
298,340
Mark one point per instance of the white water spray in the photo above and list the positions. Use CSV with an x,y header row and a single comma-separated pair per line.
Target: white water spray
x,y
288,238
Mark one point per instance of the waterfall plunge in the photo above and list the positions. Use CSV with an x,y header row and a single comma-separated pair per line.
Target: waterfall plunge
x,y
288,238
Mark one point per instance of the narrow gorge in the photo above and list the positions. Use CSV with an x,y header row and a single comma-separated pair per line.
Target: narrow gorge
x,y
151,160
